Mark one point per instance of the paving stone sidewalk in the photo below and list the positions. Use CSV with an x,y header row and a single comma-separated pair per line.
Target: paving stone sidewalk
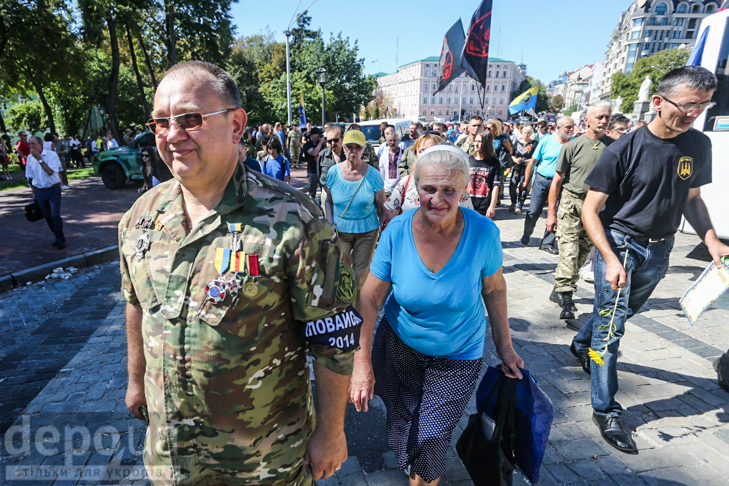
x,y
679,415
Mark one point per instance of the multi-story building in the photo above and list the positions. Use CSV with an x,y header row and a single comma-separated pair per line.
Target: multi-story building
x,y
410,92
650,26
576,91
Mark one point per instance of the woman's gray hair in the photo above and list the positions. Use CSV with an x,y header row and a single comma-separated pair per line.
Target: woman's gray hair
x,y
446,157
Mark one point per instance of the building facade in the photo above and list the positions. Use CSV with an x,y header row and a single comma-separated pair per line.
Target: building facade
x,y
650,26
411,92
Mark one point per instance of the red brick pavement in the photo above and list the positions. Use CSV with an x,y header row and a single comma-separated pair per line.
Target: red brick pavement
x,y
90,214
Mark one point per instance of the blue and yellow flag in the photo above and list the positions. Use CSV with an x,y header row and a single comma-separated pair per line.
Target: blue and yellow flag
x,y
302,113
525,101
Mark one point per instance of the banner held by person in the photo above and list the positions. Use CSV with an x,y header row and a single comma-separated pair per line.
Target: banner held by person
x,y
450,55
525,101
475,57
302,113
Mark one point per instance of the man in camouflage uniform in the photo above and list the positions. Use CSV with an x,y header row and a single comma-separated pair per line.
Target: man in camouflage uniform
x,y
294,145
475,126
231,279
576,160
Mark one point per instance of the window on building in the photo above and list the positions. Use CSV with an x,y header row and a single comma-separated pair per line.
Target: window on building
x,y
501,112
696,9
432,112
635,35
490,73
497,74
680,22
433,100
637,22
425,112
681,9
488,100
488,87
425,86
664,22
473,87
503,88
651,21
502,102
433,86
631,57
456,88
646,46
449,101
440,100
471,100
425,100
710,8
440,112
504,74
660,9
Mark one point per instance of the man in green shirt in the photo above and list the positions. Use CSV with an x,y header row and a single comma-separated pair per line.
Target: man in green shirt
x,y
576,160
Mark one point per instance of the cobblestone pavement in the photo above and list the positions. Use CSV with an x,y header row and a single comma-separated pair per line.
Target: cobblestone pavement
x,y
62,383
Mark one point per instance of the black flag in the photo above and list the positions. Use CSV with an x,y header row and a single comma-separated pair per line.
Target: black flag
x,y
475,57
450,56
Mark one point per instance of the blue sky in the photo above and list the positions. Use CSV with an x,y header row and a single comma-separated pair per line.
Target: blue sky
x,y
551,36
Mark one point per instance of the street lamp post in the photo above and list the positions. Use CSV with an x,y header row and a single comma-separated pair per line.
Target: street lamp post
x,y
288,74
322,78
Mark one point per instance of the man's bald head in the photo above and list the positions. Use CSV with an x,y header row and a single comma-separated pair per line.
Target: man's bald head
x,y
219,80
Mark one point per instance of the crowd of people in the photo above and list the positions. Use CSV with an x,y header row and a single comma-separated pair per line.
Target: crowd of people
x,y
231,277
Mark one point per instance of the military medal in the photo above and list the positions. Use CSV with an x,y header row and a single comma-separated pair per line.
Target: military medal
x,y
215,291
250,289
233,285
158,225
141,246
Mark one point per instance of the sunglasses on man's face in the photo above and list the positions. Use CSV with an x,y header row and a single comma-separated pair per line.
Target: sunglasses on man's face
x,y
333,140
187,121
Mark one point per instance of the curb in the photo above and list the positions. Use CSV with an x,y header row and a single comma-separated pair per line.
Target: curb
x,y
35,274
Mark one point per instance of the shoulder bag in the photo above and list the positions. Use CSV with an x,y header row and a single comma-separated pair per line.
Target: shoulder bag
x,y
350,200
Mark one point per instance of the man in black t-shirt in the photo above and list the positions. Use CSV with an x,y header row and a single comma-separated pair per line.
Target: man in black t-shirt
x,y
309,153
646,181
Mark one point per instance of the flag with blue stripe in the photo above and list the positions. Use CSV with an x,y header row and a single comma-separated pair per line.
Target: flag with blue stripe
x,y
525,101
302,113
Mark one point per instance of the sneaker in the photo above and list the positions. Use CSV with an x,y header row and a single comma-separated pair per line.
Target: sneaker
x,y
512,208
65,187
525,240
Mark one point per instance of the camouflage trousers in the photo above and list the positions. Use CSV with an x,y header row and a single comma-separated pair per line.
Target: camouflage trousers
x,y
295,153
574,244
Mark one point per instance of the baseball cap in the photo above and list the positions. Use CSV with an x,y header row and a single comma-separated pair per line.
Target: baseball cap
x,y
354,136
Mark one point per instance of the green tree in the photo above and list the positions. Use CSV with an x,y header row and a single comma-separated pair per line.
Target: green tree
x,y
30,115
656,66
570,110
557,103
376,114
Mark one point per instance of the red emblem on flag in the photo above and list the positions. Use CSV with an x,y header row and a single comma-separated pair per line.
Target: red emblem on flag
x,y
477,43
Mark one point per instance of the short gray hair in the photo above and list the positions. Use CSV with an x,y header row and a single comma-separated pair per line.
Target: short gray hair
x,y
599,104
222,82
446,157
562,119
694,77
37,139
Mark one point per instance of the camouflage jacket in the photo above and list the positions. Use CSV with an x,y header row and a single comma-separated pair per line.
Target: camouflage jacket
x,y
227,384
467,146
294,139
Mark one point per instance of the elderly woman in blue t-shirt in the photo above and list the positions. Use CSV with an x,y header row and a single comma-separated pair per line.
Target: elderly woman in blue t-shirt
x,y
436,265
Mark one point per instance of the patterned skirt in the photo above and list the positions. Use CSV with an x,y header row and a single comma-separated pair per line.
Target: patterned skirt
x,y
425,398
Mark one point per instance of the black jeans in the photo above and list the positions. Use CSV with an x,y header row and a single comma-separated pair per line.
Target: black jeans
x,y
516,179
540,194
49,201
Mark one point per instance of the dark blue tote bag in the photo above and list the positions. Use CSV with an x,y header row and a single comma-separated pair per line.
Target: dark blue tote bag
x,y
532,421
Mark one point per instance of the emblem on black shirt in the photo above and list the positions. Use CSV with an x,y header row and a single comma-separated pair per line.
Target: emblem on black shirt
x,y
685,167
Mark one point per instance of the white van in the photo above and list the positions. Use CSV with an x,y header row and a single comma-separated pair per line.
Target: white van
x,y
371,129
715,123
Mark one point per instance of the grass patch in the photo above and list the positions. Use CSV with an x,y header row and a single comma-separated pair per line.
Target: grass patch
x,y
18,181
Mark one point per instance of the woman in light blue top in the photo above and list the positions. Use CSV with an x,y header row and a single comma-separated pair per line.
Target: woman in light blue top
x,y
356,203
436,266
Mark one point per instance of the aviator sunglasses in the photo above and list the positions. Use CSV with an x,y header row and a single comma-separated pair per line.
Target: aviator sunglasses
x,y
186,121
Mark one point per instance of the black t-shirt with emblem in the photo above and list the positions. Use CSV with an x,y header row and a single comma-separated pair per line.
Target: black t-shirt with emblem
x,y
647,180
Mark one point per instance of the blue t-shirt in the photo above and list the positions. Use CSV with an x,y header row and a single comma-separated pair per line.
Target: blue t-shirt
x,y
547,155
277,168
438,314
361,216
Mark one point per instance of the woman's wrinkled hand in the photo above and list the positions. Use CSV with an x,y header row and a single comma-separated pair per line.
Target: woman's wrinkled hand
x,y
511,362
362,384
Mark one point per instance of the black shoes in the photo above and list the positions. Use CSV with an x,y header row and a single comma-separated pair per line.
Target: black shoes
x,y
525,240
564,300
61,245
55,243
550,249
615,432
584,360
721,366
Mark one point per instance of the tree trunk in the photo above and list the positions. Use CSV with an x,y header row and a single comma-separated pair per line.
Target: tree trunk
x,y
140,84
46,106
147,61
113,80
3,129
87,125
170,26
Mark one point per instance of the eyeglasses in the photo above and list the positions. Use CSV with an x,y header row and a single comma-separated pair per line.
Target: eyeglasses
x,y
186,121
689,107
145,156
620,130
352,147
333,140
489,127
